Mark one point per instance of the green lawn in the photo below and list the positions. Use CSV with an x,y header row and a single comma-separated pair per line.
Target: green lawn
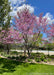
x,y
10,67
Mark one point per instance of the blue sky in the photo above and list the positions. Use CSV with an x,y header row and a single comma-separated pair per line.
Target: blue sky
x,y
37,6
42,6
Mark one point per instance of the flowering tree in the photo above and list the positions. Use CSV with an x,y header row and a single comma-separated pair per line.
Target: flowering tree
x,y
8,37
51,31
27,25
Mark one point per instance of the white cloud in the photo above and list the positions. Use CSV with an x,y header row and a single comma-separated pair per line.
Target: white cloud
x,y
13,1
24,6
21,9
49,18
16,8
11,8
16,1
20,1
13,13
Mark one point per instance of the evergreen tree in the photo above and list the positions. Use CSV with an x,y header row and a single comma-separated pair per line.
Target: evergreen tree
x,y
4,14
5,17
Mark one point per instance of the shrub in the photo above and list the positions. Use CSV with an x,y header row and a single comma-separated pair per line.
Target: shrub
x,y
17,58
13,57
22,58
49,59
52,56
42,56
38,60
29,60
38,56
14,52
45,60
9,57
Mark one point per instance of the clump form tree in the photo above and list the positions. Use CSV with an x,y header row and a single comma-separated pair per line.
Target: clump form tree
x,y
27,25
9,37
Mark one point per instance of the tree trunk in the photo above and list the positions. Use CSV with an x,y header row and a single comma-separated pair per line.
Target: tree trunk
x,y
28,53
24,52
37,50
4,48
48,52
7,49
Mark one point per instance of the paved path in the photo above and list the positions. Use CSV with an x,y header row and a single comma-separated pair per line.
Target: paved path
x,y
34,51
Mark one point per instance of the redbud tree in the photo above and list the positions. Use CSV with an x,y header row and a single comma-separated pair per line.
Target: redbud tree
x,y
8,37
27,25
50,31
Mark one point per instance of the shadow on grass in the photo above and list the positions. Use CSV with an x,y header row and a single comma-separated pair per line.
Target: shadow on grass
x,y
8,65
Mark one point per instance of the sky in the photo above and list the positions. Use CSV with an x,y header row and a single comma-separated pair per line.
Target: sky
x,y
39,5
35,6
42,6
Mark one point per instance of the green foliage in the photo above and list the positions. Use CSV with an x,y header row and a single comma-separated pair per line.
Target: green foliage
x,y
39,56
17,46
4,54
14,53
1,47
49,59
19,58
38,59
42,57
4,14
51,56
22,58
39,40
50,46
13,57
29,60
45,60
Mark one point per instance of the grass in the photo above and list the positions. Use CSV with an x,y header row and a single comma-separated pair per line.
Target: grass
x,y
10,67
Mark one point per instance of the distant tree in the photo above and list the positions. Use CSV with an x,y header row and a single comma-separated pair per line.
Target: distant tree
x,y
4,14
5,17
